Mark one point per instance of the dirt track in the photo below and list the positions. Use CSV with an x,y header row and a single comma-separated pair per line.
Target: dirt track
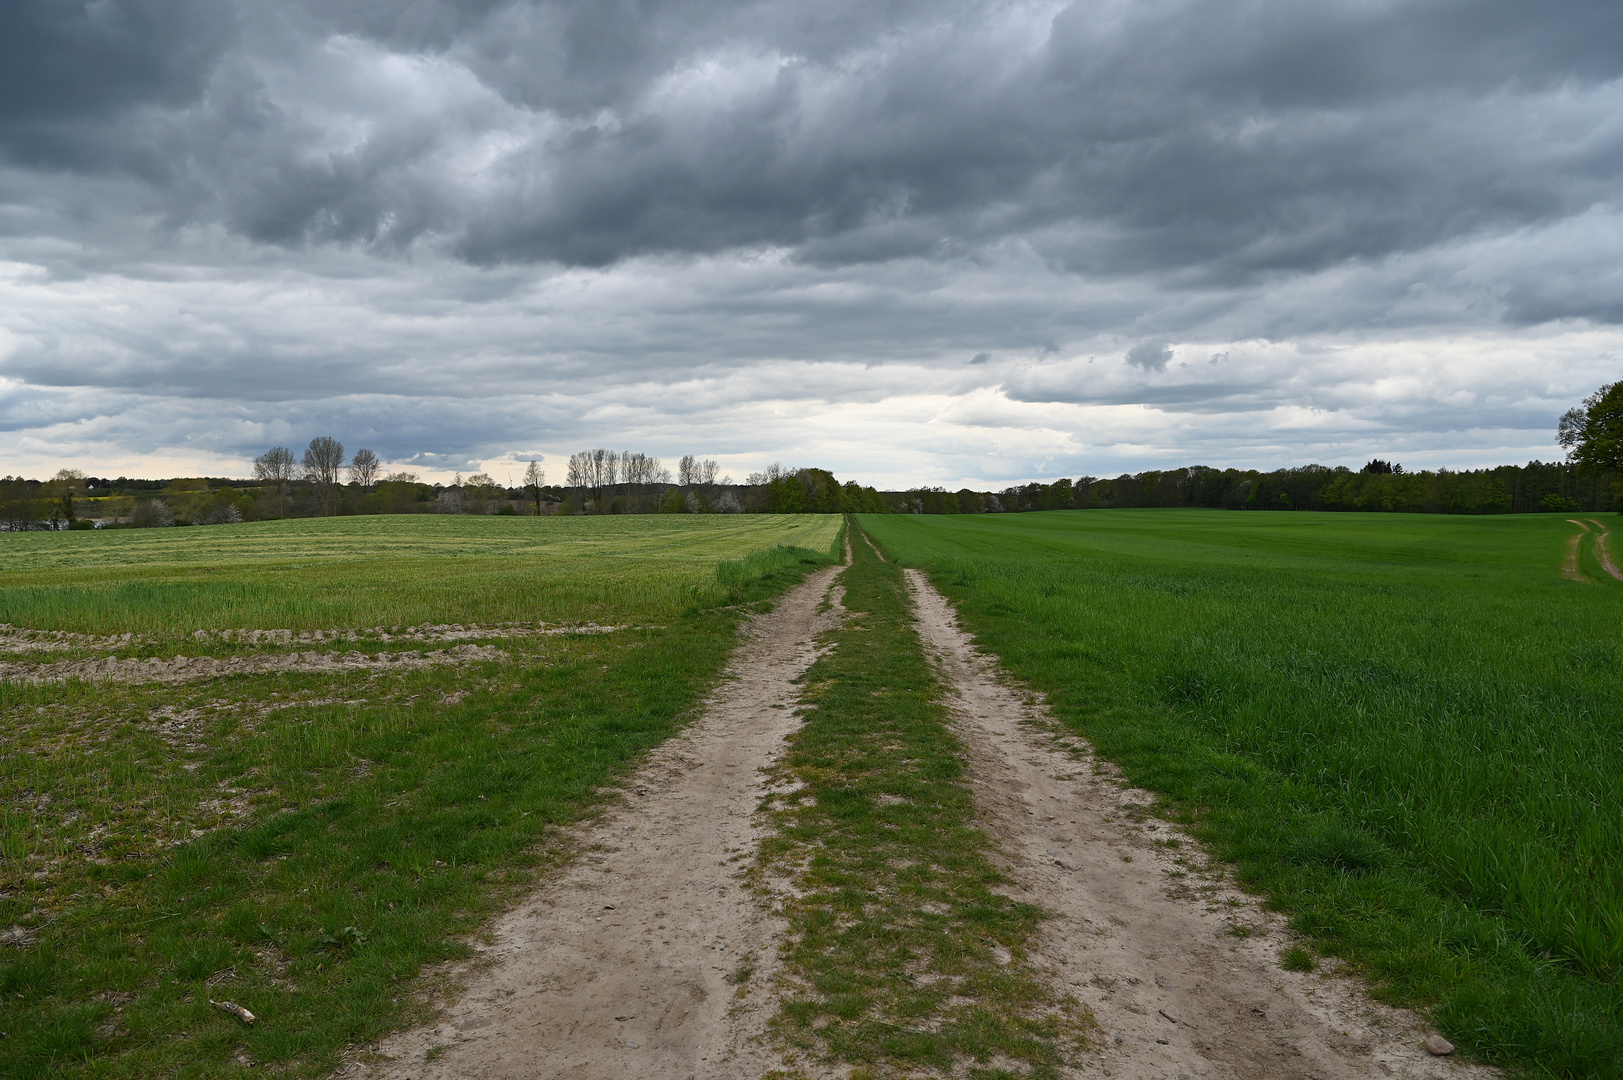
x,y
1138,935
1603,550
1569,566
622,965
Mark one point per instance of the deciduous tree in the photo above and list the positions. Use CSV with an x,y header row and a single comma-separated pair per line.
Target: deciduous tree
x,y
58,492
1592,435
364,468
533,478
323,462
275,468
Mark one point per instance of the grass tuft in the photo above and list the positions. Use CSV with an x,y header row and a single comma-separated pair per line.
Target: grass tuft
x,y
1296,958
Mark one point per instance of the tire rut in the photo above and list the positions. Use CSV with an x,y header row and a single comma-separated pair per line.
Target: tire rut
x,y
1143,932
1569,566
1603,551
623,963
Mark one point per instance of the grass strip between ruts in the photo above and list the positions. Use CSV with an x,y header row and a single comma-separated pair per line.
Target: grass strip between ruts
x,y
904,955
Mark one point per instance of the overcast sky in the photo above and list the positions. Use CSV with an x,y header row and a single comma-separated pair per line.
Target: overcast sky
x,y
913,242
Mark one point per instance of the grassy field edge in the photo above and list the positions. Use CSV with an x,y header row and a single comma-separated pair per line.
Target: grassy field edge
x,y
414,826
1501,997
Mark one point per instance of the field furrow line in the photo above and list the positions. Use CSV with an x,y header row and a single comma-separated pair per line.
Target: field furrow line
x,y
1180,969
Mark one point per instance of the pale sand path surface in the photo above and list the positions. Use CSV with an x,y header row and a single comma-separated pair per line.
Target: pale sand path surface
x,y
619,965
1144,943
1603,550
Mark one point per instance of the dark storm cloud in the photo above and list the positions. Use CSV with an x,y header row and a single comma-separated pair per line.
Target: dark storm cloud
x,y
447,225
1209,140
1150,355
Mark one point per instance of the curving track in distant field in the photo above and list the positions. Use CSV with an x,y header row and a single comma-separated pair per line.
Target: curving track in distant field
x,y
1603,553
1569,566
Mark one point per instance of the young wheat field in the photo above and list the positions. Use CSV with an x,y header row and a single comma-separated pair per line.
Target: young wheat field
x,y
1405,730
289,764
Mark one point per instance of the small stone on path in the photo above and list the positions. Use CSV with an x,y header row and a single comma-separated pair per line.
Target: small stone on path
x,y
1438,1045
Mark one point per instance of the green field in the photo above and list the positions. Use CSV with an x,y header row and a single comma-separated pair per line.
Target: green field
x,y
1407,730
359,572
1403,729
303,843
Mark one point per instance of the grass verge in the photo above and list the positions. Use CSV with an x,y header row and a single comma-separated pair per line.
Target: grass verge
x,y
304,844
904,955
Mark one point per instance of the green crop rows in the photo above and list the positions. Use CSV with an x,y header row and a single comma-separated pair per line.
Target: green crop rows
x,y
1407,731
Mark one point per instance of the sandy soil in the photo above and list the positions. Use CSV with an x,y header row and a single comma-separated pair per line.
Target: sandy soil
x,y
620,965
171,669
1139,931
1603,552
1569,565
425,632
21,639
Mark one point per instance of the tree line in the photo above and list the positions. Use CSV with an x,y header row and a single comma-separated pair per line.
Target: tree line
x,y
603,481
1589,481
1531,488
323,482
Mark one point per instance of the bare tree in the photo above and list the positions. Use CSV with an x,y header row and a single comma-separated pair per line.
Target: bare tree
x,y
323,462
687,470
707,472
364,468
580,470
277,467
605,470
594,470
533,478
642,469
605,473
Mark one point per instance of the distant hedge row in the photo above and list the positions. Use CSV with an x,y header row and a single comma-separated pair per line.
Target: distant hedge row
x,y
1509,489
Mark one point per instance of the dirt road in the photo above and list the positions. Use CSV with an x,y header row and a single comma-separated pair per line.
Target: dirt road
x,y
1603,550
622,965
1139,931
1569,566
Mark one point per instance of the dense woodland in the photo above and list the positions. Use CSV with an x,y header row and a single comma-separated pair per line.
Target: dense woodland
x,y
1537,487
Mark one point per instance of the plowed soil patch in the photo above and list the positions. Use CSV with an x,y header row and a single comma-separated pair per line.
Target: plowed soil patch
x,y
171,669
